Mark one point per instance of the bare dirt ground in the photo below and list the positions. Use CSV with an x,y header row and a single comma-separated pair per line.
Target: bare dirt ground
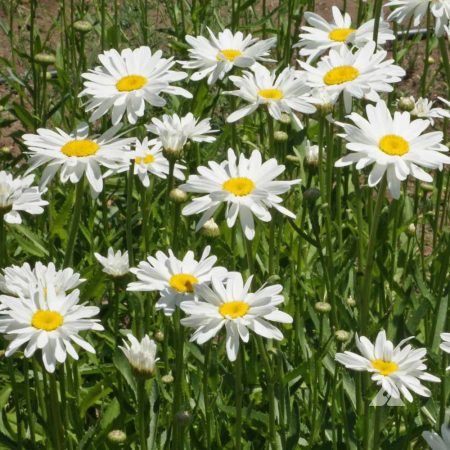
x,y
47,13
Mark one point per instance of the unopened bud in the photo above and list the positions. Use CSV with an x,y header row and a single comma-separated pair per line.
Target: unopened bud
x,y
406,104
351,301
159,336
431,60
312,154
280,136
45,58
411,230
117,436
342,335
322,307
167,379
5,150
210,228
285,118
311,195
183,418
83,26
178,196
292,159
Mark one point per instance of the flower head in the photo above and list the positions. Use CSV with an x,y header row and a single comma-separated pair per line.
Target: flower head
x,y
149,158
395,145
49,322
362,74
246,186
173,131
174,278
77,154
126,81
397,370
16,195
216,56
141,355
321,35
231,304
284,93
423,109
114,264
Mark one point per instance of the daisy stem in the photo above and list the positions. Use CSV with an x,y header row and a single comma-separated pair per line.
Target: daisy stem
x,y
30,415
129,229
423,79
443,47
15,396
55,410
178,384
206,393
376,427
249,252
74,225
141,397
367,280
377,15
3,253
239,393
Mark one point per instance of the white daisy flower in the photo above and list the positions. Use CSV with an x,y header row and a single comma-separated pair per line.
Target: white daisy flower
x,y
322,35
397,370
114,264
126,81
77,154
311,153
16,195
173,131
141,355
394,145
229,303
47,322
445,345
416,10
362,74
437,442
423,109
24,280
216,56
149,158
284,93
247,187
174,278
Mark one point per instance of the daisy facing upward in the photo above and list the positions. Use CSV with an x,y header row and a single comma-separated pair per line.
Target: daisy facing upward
x,y
245,185
216,56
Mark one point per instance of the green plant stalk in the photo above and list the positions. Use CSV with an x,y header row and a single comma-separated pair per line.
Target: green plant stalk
x,y
141,421
239,394
30,415
16,396
129,228
423,79
3,249
376,427
55,411
443,47
377,15
75,223
206,394
178,382
367,280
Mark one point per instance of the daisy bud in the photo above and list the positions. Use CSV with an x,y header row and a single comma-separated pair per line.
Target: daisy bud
x,y
342,335
141,356
431,60
426,187
322,307
351,301
411,230
167,379
312,154
325,108
183,418
178,196
83,26
406,103
280,136
172,154
285,119
311,195
117,436
45,58
210,228
292,158
159,336
5,150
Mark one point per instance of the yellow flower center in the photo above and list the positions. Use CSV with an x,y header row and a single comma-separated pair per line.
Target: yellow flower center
x,y
229,54
384,367
131,83
234,309
146,159
271,94
393,145
341,74
47,320
340,34
183,282
80,148
239,186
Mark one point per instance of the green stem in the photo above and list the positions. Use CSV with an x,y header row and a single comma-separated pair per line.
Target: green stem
x,y
423,80
55,410
377,16
30,415
178,383
376,427
238,393
443,47
206,394
129,228
364,318
141,422
3,252
74,225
